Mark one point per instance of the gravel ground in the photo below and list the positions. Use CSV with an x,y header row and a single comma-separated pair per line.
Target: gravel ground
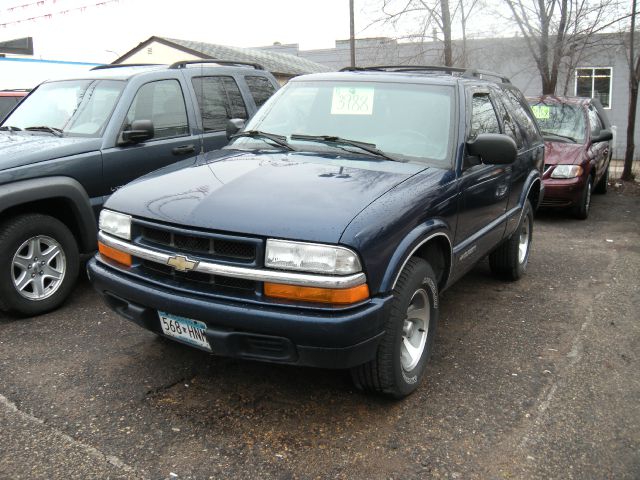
x,y
535,379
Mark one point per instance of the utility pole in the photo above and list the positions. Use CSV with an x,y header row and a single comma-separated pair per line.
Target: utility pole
x,y
352,35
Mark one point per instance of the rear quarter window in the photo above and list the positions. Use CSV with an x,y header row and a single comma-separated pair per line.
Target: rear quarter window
x,y
260,88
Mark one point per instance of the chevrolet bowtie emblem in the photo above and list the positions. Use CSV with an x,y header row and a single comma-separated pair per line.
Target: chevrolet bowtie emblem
x,y
182,264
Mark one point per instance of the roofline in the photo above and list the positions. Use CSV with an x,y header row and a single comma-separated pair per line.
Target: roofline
x,y
165,42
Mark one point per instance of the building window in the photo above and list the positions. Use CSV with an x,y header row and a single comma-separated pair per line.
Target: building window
x,y
595,83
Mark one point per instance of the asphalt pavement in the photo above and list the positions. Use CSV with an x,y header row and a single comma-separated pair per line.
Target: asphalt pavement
x,y
534,379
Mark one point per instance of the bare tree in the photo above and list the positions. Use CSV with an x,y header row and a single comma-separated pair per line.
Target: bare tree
x,y
554,29
634,79
431,17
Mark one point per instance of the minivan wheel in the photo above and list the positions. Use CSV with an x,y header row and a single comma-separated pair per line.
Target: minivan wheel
x,y
509,260
39,264
581,211
405,349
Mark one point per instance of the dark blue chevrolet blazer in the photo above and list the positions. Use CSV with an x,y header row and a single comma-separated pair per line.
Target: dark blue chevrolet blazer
x,y
324,233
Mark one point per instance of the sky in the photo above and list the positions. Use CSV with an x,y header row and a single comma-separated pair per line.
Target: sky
x,y
105,29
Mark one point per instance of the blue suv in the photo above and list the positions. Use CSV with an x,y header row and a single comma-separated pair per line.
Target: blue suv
x,y
325,232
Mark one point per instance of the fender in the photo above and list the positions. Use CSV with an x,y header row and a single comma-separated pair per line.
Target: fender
x,y
25,191
515,214
409,245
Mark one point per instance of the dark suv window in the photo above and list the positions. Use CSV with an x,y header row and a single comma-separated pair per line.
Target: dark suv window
x,y
161,102
483,116
6,104
594,121
260,88
219,99
521,112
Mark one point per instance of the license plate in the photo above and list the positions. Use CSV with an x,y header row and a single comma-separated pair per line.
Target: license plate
x,y
185,329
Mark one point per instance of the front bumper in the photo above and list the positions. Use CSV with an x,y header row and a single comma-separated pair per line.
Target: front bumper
x,y
320,338
563,192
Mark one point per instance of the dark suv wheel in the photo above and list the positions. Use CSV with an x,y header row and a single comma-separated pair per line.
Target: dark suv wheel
x,y
39,264
406,346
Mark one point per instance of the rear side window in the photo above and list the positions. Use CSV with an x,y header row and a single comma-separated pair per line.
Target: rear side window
x,y
522,114
161,102
483,116
220,100
260,88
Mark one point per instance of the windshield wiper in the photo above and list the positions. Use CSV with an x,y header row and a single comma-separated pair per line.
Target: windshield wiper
x,y
367,147
56,131
8,128
280,140
544,132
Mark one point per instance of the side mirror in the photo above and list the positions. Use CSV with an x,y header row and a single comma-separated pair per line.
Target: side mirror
x,y
140,131
493,148
602,136
234,125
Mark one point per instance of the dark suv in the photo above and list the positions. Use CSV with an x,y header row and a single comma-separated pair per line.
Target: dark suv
x,y
324,234
71,143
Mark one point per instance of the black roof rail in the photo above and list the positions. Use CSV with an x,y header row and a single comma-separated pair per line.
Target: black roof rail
x,y
123,65
473,73
465,72
232,63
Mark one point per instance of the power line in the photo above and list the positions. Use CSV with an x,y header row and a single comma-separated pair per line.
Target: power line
x,y
48,16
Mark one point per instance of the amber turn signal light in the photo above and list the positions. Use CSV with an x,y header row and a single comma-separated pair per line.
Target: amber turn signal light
x,y
338,296
115,255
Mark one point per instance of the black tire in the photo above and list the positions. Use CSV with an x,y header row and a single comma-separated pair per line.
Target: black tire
x,y
603,185
508,261
581,211
21,238
386,373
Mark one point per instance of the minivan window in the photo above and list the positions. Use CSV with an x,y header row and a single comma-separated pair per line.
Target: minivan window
x,y
76,107
161,102
561,120
220,100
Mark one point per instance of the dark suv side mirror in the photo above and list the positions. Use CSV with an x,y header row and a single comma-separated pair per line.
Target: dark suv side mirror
x,y
234,125
602,136
140,131
493,148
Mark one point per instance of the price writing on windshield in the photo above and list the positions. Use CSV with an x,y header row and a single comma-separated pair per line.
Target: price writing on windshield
x,y
352,101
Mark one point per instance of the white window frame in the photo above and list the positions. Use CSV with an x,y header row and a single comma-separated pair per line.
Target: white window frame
x,y
593,79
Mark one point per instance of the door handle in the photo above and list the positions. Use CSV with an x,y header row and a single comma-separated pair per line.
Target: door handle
x,y
182,149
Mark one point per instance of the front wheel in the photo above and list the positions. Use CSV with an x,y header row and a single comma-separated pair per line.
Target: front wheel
x,y
39,264
405,349
509,260
581,211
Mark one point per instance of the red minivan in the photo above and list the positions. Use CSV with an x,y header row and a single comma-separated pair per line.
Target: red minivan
x,y
578,140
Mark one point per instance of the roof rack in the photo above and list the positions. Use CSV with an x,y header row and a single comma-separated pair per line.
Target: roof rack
x,y
123,65
184,63
465,72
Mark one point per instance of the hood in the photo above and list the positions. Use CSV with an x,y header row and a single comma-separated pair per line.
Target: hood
x,y
563,153
20,148
294,195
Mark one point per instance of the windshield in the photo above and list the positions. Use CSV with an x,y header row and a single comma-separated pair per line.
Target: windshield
x,y
566,121
76,107
407,122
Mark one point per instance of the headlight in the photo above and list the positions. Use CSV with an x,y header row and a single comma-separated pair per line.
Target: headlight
x,y
310,257
115,223
566,171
